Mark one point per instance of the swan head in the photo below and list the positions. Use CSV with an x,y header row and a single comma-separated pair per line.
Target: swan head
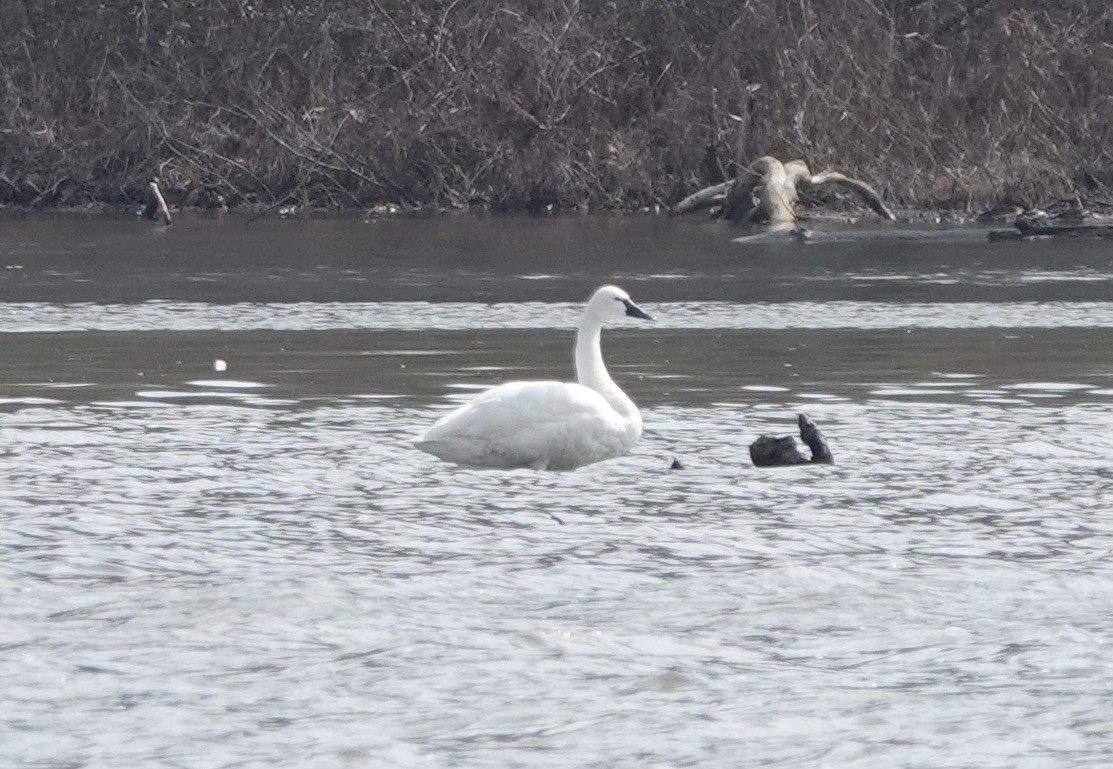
x,y
612,303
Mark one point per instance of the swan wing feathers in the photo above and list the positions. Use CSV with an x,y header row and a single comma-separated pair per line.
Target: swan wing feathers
x,y
544,425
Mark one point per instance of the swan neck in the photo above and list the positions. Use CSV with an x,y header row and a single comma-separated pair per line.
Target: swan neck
x,y
592,372
590,369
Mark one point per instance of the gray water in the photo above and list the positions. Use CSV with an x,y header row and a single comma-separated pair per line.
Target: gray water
x,y
253,568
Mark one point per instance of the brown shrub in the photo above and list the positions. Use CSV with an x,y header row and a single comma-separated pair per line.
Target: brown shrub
x,y
530,103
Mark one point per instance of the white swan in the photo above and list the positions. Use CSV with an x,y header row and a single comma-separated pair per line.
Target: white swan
x,y
548,425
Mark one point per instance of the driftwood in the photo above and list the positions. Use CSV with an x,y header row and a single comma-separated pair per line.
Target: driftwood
x,y
714,195
156,207
810,236
1039,225
768,193
1031,226
771,452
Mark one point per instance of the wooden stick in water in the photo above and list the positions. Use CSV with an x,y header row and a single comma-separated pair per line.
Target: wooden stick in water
x,y
156,204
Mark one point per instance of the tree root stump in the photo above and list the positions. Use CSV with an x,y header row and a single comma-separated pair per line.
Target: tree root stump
x,y
767,192
767,451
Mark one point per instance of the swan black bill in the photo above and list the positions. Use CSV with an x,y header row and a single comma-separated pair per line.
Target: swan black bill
x,y
636,312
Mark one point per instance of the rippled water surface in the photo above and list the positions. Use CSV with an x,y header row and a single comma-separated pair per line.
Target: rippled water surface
x,y
251,567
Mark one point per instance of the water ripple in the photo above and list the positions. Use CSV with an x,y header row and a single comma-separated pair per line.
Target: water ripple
x,y
251,582
451,316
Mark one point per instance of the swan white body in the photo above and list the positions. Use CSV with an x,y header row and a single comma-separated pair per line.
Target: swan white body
x,y
548,425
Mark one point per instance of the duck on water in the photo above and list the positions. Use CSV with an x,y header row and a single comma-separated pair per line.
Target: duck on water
x,y
548,425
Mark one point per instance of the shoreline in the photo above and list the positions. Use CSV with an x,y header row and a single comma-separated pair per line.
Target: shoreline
x,y
941,214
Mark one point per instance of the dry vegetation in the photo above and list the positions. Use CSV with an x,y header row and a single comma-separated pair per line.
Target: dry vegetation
x,y
524,103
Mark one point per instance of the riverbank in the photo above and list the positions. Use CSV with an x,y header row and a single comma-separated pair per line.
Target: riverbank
x,y
514,106
841,216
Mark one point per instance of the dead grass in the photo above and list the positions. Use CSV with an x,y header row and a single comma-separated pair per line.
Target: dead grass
x,y
536,103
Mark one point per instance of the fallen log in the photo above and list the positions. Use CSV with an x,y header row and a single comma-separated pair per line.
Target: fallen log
x,y
767,451
1038,224
1031,227
705,198
767,192
809,236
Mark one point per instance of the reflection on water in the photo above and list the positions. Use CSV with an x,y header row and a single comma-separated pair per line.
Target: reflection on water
x,y
254,568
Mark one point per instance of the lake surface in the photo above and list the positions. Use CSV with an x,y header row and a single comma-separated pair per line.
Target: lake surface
x,y
253,568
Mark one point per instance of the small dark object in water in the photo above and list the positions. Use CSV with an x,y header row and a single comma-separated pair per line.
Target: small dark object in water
x,y
767,451
676,465
773,452
553,517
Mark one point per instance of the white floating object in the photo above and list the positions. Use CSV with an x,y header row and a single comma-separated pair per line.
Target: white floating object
x,y
1049,386
219,365
234,384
